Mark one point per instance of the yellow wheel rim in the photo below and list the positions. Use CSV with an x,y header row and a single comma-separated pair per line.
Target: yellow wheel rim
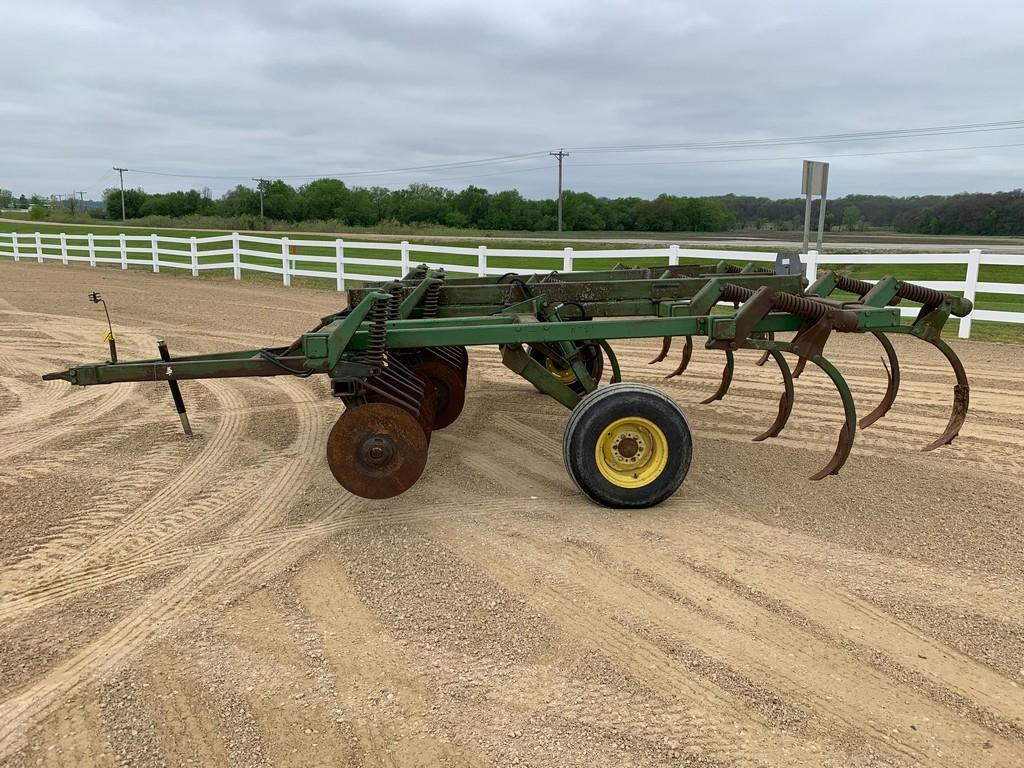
x,y
631,452
564,374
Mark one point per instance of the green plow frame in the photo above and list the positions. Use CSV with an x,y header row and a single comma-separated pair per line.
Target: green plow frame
x,y
400,346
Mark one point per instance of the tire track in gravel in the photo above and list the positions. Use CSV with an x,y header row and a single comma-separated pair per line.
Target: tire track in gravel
x,y
96,570
755,646
705,713
748,541
225,573
348,514
29,440
120,493
205,465
157,614
366,666
873,636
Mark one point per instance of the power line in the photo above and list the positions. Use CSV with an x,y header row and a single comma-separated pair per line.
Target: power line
x,y
798,157
325,174
1006,125
902,133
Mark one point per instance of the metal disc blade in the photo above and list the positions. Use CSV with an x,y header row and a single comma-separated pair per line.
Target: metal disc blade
x,y
450,387
377,450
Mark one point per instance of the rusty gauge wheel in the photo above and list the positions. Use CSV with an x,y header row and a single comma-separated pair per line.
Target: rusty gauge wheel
x,y
377,450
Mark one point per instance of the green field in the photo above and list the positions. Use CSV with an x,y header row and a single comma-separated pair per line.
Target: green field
x,y
384,263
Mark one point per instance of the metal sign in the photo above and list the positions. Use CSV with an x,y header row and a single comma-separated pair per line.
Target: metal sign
x,y
815,182
815,178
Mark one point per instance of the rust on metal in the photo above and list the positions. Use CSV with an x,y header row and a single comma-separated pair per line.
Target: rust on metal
x,y
685,361
377,450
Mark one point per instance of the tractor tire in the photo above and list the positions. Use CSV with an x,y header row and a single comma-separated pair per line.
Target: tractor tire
x,y
627,446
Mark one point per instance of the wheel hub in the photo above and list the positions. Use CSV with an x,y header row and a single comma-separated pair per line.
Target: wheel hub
x,y
628,447
377,451
631,452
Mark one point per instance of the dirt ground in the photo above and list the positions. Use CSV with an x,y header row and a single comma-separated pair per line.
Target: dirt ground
x,y
221,601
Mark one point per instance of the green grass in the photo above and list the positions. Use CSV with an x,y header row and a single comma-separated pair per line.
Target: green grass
x,y
387,266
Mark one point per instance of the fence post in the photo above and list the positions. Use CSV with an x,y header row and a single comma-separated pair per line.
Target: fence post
x,y
567,260
236,256
339,260
124,252
92,251
63,248
481,261
39,248
405,258
970,289
14,244
194,253
156,255
285,273
811,266
673,255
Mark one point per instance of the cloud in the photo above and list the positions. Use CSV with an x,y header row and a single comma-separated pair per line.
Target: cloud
x,y
239,89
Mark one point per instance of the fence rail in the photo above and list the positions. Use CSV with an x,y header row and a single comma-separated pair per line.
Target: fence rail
x,y
337,260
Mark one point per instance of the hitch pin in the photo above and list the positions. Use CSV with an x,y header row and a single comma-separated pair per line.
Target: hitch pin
x,y
179,404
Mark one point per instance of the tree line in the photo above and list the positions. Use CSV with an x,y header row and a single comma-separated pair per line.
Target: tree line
x,y
331,200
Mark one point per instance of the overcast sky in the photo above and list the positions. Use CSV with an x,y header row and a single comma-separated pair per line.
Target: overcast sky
x,y
271,88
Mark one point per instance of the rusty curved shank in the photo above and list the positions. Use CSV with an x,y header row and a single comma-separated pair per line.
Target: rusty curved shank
x,y
846,434
892,388
666,345
687,353
785,399
961,390
726,379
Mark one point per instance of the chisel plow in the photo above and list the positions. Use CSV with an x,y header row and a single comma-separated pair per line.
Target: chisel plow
x,y
396,357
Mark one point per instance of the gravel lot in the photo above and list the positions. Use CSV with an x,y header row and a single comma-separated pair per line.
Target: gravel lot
x,y
221,601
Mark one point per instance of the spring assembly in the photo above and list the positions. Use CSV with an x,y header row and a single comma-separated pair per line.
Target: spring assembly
x,y
432,299
377,333
908,291
786,302
732,269
396,292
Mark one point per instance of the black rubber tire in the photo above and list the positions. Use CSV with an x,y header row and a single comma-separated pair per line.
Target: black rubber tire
x,y
589,420
593,357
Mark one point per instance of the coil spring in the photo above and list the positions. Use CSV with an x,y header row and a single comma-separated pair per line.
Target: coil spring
x,y
921,294
732,269
908,291
396,291
787,302
377,333
853,285
431,300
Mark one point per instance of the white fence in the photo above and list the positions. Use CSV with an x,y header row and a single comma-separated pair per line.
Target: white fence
x,y
335,260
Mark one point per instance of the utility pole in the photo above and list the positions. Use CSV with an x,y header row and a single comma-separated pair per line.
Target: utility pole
x,y
560,154
259,185
120,172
